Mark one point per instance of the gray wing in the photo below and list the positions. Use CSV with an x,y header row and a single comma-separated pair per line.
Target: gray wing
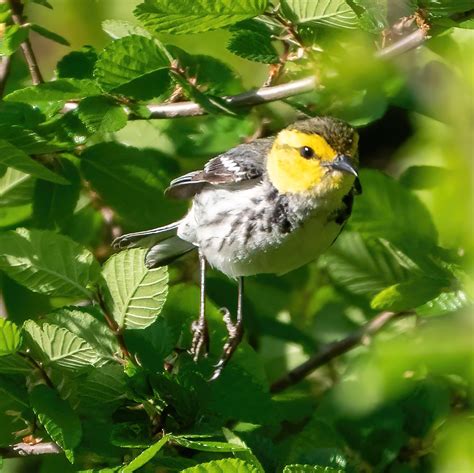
x,y
242,163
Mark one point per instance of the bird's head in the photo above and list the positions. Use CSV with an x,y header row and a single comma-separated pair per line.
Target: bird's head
x,y
315,155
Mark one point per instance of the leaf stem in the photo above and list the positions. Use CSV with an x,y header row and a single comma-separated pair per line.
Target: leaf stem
x,y
16,7
335,349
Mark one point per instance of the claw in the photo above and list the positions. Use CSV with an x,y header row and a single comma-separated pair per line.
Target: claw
x,y
200,343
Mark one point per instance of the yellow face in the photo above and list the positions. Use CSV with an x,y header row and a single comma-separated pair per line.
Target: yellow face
x,y
298,162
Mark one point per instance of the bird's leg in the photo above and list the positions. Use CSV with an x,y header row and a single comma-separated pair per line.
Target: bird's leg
x,y
235,331
200,343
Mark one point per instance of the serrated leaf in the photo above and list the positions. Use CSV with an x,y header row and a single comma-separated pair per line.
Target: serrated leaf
x,y
58,419
208,445
439,8
10,337
27,140
372,14
101,114
228,465
334,13
363,266
133,294
58,346
57,38
145,456
77,64
182,17
11,39
130,435
253,46
16,158
120,28
445,303
134,66
115,171
89,324
388,210
59,90
310,469
407,295
16,188
54,204
246,455
48,263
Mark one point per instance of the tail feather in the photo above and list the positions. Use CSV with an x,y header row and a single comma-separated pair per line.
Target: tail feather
x,y
167,251
147,238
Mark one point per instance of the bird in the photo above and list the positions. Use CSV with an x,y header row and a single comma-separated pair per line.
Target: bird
x,y
268,206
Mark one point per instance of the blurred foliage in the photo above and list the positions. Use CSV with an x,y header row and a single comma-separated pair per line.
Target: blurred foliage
x,y
109,380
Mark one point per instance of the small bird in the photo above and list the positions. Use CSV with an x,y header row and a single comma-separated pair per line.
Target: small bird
x,y
269,206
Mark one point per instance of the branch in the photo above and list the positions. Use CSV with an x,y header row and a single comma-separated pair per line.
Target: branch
x,y
23,449
5,66
335,349
265,94
16,8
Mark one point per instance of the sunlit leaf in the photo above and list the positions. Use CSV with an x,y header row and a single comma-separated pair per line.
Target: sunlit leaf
x,y
228,465
146,455
10,337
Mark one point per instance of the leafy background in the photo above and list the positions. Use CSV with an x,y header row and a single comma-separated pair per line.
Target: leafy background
x,y
92,345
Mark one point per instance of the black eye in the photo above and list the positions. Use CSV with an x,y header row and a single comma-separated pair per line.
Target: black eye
x,y
307,152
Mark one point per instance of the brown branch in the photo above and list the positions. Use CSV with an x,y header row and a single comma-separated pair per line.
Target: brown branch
x,y
264,94
5,66
16,8
335,349
112,324
23,449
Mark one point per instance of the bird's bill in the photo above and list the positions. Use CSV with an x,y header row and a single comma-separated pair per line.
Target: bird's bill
x,y
343,163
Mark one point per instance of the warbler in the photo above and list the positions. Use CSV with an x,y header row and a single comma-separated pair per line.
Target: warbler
x,y
269,206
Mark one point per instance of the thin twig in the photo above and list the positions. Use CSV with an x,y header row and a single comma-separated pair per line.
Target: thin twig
x,y
16,8
39,367
264,94
5,66
112,324
23,449
335,349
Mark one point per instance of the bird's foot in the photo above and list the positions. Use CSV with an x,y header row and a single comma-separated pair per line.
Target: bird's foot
x,y
235,331
200,343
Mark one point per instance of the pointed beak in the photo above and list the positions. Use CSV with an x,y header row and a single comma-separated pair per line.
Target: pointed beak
x,y
343,163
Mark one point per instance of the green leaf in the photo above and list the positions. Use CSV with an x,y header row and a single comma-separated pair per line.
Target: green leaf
x,y
246,455
334,13
101,114
119,28
445,303
439,8
77,64
17,159
228,465
58,346
16,188
363,266
253,46
54,204
423,177
134,295
407,295
134,66
15,364
208,445
26,140
372,14
388,210
59,90
48,263
132,182
11,39
57,38
44,3
182,17
130,435
310,469
145,456
211,104
88,323
10,337
58,419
